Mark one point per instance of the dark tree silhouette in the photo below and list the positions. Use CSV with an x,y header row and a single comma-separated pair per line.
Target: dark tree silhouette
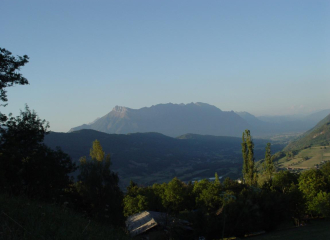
x,y
98,187
9,67
27,165
9,75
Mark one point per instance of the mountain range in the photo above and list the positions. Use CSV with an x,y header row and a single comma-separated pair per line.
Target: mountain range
x,y
197,118
171,120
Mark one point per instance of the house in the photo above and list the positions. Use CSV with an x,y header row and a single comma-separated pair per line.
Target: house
x,y
148,222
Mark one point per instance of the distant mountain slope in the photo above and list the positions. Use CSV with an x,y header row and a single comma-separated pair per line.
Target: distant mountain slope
x,y
171,120
317,136
292,123
270,125
153,157
317,116
251,119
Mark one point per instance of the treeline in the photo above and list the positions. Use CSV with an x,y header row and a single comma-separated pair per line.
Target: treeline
x,y
260,201
235,208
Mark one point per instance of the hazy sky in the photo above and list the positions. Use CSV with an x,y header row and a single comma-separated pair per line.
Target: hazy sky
x,y
87,56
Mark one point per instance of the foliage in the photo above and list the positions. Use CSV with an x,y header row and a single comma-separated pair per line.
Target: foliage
x,y
321,204
207,195
283,181
9,67
28,166
24,132
134,205
325,169
216,178
231,207
249,170
24,219
312,183
9,75
268,162
98,187
174,195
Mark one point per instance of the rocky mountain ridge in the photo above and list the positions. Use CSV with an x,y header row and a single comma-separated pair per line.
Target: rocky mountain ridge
x,y
198,118
171,120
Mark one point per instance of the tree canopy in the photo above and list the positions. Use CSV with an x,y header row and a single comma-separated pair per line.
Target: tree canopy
x,y
98,187
28,166
9,75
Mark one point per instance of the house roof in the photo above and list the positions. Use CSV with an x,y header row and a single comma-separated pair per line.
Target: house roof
x,y
143,221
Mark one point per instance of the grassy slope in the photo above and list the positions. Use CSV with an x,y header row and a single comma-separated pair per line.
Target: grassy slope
x,y
314,144
315,156
24,219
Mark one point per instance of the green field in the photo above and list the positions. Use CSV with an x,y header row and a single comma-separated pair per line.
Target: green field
x,y
306,158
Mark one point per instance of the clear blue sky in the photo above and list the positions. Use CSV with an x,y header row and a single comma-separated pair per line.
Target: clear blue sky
x,y
264,57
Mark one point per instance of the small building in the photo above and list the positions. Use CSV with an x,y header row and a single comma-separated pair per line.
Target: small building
x,y
148,223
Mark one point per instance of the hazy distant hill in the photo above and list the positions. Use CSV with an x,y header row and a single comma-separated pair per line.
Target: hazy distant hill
x,y
171,120
295,122
317,116
317,136
152,157
265,125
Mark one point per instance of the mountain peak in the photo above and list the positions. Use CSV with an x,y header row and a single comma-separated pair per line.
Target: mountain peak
x,y
205,105
171,120
120,109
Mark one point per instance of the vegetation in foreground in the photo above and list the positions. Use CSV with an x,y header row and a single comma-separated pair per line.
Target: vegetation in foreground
x,y
316,229
24,219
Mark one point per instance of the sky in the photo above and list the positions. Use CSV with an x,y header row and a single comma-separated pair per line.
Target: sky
x,y
264,57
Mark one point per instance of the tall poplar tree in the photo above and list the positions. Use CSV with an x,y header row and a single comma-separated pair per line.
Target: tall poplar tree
x,y
245,158
216,179
268,163
249,171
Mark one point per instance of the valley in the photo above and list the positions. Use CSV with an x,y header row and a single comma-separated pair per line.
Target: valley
x,y
148,158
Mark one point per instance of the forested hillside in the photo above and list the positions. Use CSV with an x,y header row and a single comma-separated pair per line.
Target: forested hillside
x,y
152,157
